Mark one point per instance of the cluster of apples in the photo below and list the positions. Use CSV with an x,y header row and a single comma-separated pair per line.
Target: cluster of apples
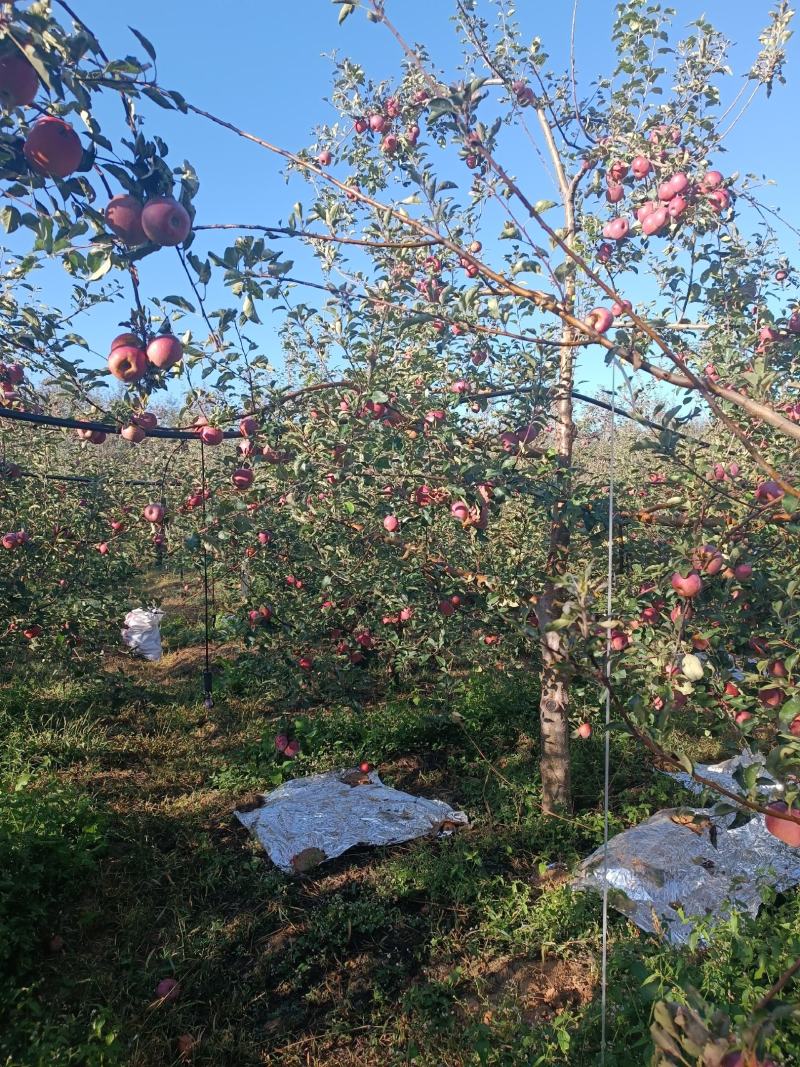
x,y
672,198
382,121
11,375
129,361
15,539
162,220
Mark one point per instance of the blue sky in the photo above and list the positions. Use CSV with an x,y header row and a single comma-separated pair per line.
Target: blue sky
x,y
260,63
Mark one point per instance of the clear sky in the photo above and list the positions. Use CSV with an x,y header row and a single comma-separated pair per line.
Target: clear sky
x,y
261,63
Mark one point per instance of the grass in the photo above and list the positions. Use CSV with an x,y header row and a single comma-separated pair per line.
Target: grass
x,y
470,950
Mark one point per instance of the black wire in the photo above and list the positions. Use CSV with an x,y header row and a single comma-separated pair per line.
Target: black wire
x,y
209,701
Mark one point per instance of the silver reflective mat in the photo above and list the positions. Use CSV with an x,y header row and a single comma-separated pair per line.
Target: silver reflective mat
x,y
309,820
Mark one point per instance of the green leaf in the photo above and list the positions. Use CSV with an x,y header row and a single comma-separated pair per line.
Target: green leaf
x,y
146,45
345,11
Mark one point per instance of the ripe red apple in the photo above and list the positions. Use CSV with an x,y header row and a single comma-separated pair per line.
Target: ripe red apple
x,y
640,166
777,669
412,134
146,419
585,730
617,229
603,255
406,614
377,123
305,663
794,322
53,148
742,571
771,698
665,191
102,548
677,206
618,170
248,426
389,144
186,1045
719,200
789,832
654,222
460,510
19,82
153,513
30,633
165,221
292,749
211,435
741,717
124,218
125,340
446,608
365,767
769,491
281,741
242,478
645,209
711,180
615,193
391,523
687,587
168,990
134,434
618,307
324,158
599,319
127,363
264,537
165,351
732,690
117,526
361,125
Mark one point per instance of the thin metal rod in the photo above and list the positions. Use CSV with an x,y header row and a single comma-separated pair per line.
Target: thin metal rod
x,y
607,743
209,702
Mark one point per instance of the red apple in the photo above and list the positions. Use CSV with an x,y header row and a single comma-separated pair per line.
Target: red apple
x,y
19,82
600,319
164,351
146,419
615,193
742,571
153,513
446,608
677,206
127,363
165,221
377,123
124,218
324,158
732,690
134,434
168,990
771,698
264,537
248,426
389,144
186,1047
281,741
767,492
640,166
391,523
789,832
617,229
719,200
125,340
292,749
585,730
242,478
305,663
53,148
711,180
654,222
211,435
604,253
460,510
687,587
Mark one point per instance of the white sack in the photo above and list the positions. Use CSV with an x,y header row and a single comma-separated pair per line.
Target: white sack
x,y
142,632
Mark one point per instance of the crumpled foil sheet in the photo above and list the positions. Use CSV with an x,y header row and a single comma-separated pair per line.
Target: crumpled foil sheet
x,y
663,874
309,820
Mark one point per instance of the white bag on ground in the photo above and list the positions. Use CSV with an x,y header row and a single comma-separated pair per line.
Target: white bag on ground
x,y
142,632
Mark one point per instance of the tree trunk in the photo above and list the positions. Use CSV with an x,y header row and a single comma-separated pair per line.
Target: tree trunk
x,y
554,697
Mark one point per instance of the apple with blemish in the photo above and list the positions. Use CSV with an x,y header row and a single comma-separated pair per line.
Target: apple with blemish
x,y
165,221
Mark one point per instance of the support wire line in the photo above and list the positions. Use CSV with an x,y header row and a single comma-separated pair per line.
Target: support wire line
x,y
607,745
208,699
